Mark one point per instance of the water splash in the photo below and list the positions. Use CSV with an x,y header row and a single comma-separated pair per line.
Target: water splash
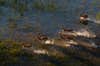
x,y
85,33
40,51
94,20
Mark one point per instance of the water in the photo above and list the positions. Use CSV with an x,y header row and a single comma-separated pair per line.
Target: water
x,y
67,15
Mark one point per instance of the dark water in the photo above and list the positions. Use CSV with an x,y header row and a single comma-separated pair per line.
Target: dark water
x,y
66,15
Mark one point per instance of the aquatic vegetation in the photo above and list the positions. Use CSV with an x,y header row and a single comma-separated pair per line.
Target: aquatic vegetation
x,y
18,38
22,8
2,2
51,7
95,2
98,16
45,7
38,5
9,51
15,5
12,24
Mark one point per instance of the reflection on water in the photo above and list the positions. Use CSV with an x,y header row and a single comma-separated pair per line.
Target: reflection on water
x,y
67,15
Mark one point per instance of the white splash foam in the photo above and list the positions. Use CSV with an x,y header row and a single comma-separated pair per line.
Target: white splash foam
x,y
93,44
67,45
49,42
40,51
85,33
94,20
